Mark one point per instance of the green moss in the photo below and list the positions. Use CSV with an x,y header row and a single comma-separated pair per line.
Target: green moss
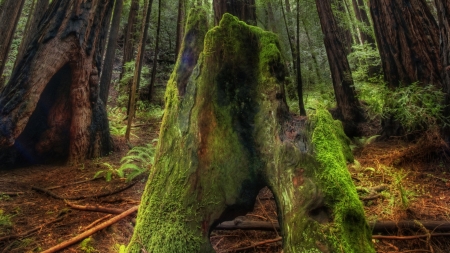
x,y
350,227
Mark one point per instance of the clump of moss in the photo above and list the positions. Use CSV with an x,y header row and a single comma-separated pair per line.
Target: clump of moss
x,y
349,225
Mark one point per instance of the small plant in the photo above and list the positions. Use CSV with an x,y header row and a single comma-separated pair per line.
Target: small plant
x,y
137,161
5,222
405,195
86,245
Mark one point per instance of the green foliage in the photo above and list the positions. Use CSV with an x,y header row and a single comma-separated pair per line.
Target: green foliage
x,y
362,59
5,222
128,74
145,110
86,245
416,107
404,195
137,161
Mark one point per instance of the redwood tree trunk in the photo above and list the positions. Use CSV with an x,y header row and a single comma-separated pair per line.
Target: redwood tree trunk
x,y
245,10
443,7
349,110
226,134
32,28
9,17
50,107
106,75
408,41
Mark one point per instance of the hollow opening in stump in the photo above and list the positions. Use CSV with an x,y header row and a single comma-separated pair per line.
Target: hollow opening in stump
x,y
46,135
258,230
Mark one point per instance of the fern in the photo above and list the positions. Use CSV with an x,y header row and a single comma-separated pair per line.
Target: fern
x,y
137,161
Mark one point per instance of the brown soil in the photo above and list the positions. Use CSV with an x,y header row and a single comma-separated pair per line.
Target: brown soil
x,y
421,181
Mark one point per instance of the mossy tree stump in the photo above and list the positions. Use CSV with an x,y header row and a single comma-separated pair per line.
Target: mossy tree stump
x,y
226,134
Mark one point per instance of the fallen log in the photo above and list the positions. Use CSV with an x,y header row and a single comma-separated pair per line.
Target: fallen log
x,y
377,227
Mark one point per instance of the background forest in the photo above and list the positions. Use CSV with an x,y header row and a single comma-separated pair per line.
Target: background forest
x,y
379,66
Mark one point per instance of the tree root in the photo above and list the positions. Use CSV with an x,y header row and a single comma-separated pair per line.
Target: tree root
x,y
91,231
56,196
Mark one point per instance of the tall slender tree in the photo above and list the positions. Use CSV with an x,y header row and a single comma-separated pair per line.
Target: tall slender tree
x,y
349,108
363,19
10,11
106,75
180,25
130,35
298,69
155,54
138,66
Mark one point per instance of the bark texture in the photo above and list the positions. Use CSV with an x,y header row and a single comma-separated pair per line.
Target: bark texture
x,y
50,107
408,41
9,17
443,8
245,10
349,110
227,133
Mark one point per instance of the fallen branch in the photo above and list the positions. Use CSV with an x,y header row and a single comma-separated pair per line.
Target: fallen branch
x,y
97,221
56,196
91,231
411,237
26,233
95,208
255,245
74,183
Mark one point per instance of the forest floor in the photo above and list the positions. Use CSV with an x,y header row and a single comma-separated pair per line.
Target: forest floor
x,y
415,187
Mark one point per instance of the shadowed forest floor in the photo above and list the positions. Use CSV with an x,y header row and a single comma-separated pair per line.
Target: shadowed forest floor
x,y
415,188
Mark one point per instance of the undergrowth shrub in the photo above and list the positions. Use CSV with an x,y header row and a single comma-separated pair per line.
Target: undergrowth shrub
x,y
416,107
137,161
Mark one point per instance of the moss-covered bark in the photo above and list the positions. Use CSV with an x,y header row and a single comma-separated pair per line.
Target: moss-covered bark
x,y
226,134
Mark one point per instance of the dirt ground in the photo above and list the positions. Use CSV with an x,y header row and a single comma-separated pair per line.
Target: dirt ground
x,y
416,187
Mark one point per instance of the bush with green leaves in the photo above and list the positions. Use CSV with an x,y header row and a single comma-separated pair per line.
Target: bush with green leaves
x,y
416,107
137,161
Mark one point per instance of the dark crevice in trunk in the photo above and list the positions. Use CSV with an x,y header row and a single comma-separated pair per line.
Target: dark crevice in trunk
x,y
46,135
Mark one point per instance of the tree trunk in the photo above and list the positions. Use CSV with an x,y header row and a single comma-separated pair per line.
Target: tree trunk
x,y
106,75
343,29
138,66
50,107
245,10
349,110
130,35
40,6
408,41
298,68
227,134
9,17
443,7
180,26
155,53
361,16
